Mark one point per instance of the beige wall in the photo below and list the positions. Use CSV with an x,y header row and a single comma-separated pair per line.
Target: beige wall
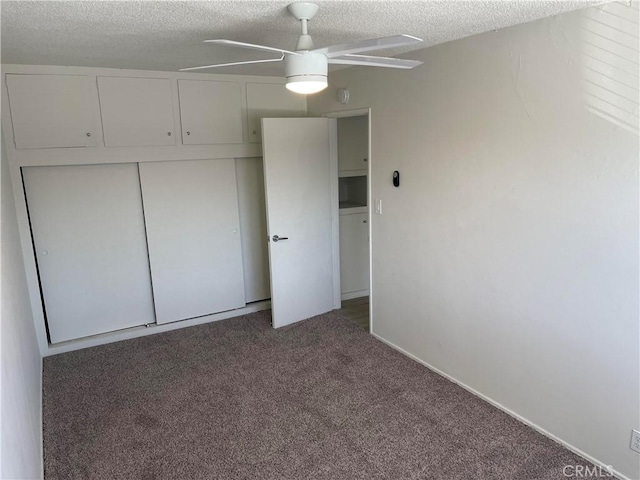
x,y
508,257
21,379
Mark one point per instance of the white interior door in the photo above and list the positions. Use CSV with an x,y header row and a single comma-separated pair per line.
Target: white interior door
x,y
193,232
300,169
89,238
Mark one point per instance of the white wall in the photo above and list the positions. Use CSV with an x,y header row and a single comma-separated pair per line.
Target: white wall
x,y
508,257
21,380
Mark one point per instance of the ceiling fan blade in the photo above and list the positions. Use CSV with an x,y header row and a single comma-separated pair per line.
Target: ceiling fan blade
x,y
251,46
374,61
232,63
368,45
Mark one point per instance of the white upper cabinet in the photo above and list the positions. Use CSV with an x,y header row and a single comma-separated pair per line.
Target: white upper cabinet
x,y
353,145
136,111
211,112
51,110
271,100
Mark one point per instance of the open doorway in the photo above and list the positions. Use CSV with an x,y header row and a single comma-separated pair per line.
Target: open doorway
x,y
354,227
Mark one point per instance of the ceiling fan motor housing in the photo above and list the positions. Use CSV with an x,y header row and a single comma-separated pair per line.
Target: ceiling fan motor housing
x,y
307,67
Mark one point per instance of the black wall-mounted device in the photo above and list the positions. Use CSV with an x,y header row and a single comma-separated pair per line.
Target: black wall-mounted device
x,y
396,178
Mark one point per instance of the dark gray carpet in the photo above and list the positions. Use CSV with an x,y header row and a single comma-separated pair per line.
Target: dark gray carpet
x,y
238,400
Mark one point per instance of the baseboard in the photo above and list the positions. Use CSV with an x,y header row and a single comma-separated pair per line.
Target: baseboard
x,y
41,421
509,412
136,332
352,295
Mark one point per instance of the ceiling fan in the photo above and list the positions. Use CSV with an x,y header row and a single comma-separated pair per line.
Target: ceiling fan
x,y
306,67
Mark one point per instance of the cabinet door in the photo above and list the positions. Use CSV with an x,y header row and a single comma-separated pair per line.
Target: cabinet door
x,y
210,112
51,111
193,232
253,225
271,100
354,253
136,111
89,240
353,143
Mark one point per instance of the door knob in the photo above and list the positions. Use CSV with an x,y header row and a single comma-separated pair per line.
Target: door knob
x,y
276,238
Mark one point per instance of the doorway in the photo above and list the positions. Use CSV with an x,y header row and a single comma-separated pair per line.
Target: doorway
x,y
340,217
354,195
300,177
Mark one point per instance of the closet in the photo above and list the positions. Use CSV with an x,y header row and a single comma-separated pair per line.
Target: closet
x,y
144,197
353,153
193,233
90,244
117,243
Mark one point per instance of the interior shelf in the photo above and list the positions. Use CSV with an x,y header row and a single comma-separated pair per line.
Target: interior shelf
x,y
352,192
351,204
353,210
352,173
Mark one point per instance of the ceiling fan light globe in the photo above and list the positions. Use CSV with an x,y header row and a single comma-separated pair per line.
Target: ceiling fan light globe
x,y
307,85
306,73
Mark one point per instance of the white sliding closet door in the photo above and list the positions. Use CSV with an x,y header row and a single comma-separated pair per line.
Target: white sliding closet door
x,y
89,240
193,232
253,225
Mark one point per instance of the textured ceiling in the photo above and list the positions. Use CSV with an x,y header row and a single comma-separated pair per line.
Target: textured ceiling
x,y
168,35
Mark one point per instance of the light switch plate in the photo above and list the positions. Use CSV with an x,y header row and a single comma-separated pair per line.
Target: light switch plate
x,y
378,207
635,441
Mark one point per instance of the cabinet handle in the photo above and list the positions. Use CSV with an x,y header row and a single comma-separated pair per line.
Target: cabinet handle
x,y
364,159
88,134
188,133
169,133
254,132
